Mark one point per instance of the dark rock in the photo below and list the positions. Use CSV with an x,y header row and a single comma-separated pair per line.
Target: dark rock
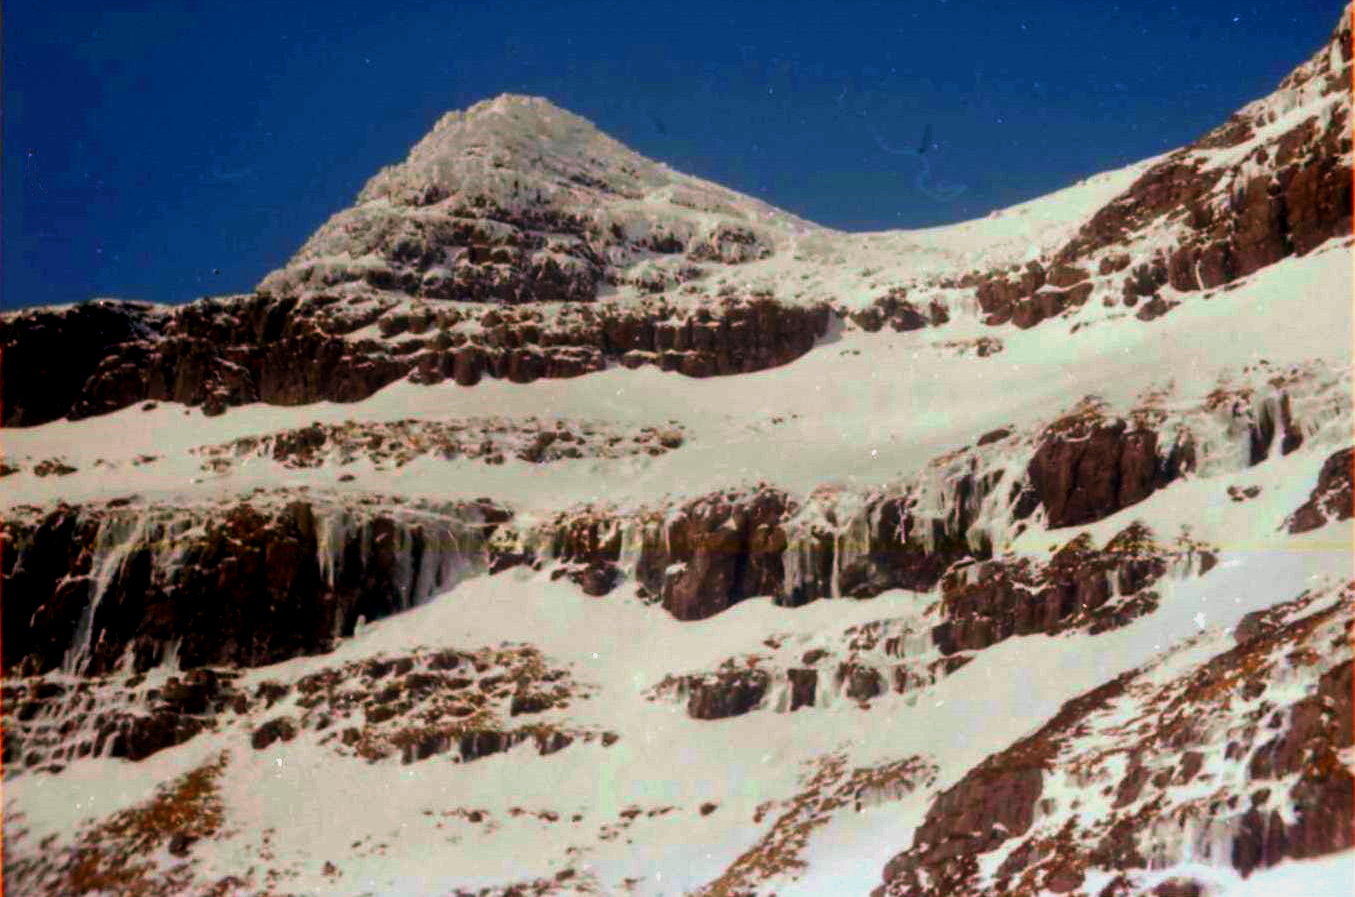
x,y
217,353
1094,469
803,685
281,728
728,548
248,588
994,436
726,694
1331,498
138,737
529,702
181,843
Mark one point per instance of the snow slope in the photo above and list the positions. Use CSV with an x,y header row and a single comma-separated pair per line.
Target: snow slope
x,y
863,409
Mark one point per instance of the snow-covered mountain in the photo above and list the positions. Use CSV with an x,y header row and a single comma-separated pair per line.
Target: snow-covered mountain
x,y
557,523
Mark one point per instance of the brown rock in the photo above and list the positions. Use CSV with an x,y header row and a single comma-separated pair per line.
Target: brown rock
x,y
727,549
1095,470
993,802
803,685
726,694
862,682
218,353
1331,498
248,589
281,728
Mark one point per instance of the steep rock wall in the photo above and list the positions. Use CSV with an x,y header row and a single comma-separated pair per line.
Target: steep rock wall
x,y
219,353
90,589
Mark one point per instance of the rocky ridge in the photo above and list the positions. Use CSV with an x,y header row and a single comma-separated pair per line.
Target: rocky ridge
x,y
218,353
1253,774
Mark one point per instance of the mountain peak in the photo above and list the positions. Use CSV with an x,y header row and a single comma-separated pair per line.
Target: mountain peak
x,y
517,107
552,178
511,144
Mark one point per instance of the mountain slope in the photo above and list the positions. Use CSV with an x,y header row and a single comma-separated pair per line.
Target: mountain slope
x,y
556,523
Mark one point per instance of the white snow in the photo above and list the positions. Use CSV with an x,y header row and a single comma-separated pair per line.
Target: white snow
x,y
858,419
1329,876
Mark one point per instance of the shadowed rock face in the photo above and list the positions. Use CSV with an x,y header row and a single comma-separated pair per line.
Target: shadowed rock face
x,y
48,356
240,584
98,357
1080,587
1092,470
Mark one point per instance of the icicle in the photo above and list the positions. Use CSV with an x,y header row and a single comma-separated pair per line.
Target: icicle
x,y
331,534
169,659
404,563
834,578
117,535
792,577
632,546
779,693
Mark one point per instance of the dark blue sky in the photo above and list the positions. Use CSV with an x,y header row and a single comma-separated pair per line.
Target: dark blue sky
x,y
148,143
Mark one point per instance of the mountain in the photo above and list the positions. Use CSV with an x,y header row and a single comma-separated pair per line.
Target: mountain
x,y
557,523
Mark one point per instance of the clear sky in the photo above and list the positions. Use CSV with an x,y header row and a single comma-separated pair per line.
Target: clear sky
x,y
169,149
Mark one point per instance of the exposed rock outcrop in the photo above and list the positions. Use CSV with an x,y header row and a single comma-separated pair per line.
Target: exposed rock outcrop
x,y
49,354
1239,199
1331,499
217,353
50,723
397,443
1080,587
716,552
470,704
1088,468
93,588
992,803
697,559
1227,721
724,694
709,553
